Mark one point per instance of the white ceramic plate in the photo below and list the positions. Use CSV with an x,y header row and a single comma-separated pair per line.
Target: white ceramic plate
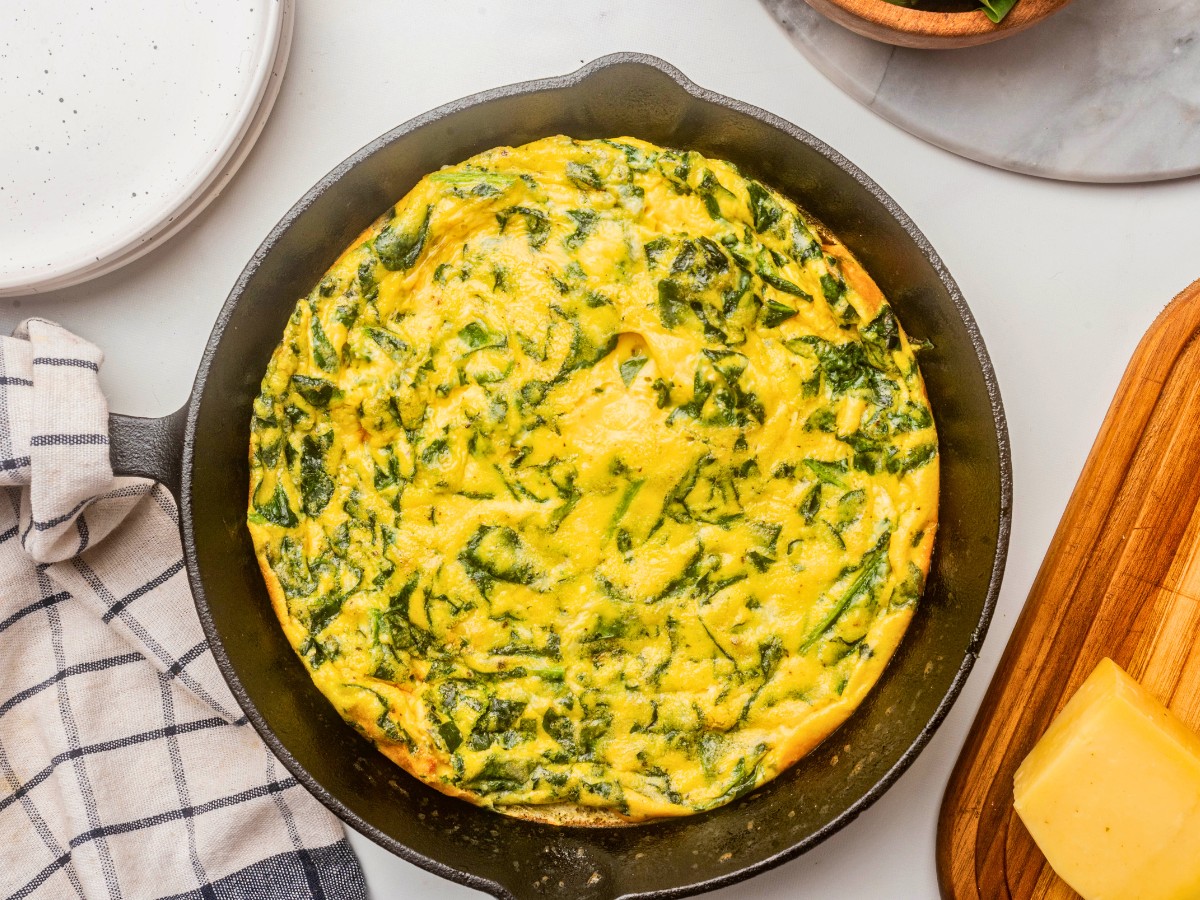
x,y
123,121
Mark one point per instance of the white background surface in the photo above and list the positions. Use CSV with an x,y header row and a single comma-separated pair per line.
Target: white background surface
x,y
1063,279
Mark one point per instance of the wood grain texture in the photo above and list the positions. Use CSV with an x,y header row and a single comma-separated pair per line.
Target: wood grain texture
x,y
883,21
1121,579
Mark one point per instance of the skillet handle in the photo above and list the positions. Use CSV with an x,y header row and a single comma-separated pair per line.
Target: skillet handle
x,y
151,448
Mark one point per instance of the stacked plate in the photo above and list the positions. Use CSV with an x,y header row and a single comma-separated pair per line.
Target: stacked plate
x,y
122,121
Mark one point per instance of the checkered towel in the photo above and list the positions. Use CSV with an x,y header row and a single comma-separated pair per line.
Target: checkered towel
x,y
126,767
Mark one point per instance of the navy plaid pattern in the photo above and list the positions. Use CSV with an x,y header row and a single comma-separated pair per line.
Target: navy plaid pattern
x,y
126,768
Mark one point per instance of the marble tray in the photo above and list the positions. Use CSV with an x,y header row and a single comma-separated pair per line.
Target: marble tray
x,y
1104,91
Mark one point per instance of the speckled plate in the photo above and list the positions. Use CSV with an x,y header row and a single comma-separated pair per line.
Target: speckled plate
x,y
1104,91
122,121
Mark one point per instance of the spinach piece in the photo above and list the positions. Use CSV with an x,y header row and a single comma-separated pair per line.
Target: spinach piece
x,y
911,417
593,728
663,390
833,288
478,336
435,451
872,571
675,502
770,652
822,420
316,487
584,352
585,221
804,245
323,612
532,393
846,367
733,402
292,569
671,303
828,472
571,495
760,560
729,364
368,284
276,511
909,591
267,452
768,273
499,776
322,350
883,330
537,224
655,249
317,391
525,647
706,588
500,716
496,553
635,157
867,450
584,176
399,251
702,389
631,367
849,509
776,313
712,638
450,735
384,722
811,504
347,313
702,260
560,727
391,344
624,503
914,459
741,781
763,208
708,188
317,653
396,621
605,631
714,259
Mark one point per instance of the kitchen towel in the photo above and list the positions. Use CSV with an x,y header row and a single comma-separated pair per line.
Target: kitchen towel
x,y
126,768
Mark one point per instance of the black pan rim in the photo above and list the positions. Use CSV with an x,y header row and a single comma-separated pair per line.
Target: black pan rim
x,y
893,209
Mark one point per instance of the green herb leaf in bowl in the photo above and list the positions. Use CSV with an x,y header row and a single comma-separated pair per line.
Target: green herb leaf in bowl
x,y
993,9
997,9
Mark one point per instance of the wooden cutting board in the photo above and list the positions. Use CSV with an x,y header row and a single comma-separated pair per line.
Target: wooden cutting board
x,y
1121,579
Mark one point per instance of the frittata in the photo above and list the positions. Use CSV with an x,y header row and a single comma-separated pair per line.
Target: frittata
x,y
594,483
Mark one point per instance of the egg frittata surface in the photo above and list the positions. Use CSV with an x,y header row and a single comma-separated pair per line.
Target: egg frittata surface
x,y
594,483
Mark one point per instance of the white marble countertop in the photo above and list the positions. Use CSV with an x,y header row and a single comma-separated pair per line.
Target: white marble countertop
x,y
1063,279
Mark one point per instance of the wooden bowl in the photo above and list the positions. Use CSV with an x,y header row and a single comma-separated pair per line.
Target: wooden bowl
x,y
905,27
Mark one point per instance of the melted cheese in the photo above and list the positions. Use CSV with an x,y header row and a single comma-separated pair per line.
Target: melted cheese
x,y
593,475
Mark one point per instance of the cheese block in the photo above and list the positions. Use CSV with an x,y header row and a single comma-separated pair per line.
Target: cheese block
x,y
1111,793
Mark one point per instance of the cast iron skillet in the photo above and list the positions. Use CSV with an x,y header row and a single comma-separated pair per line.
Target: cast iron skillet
x,y
201,453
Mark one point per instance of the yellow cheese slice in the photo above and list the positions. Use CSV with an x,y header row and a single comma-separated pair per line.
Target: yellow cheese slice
x,y
1111,793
